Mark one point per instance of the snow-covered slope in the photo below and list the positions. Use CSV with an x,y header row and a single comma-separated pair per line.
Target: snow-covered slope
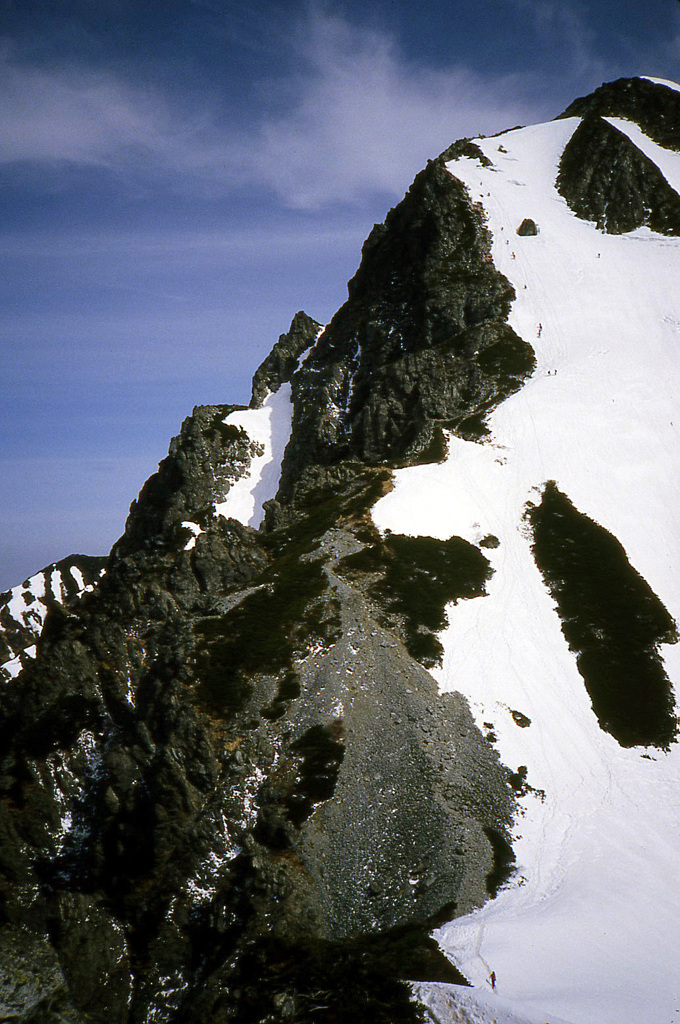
x,y
589,927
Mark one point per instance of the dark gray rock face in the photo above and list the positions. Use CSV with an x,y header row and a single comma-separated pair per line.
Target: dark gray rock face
x,y
222,760
32,986
109,776
283,359
605,178
203,461
464,147
656,108
421,339
194,811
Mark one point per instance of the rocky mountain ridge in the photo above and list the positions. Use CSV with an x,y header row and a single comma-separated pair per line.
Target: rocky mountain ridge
x,y
229,774
23,609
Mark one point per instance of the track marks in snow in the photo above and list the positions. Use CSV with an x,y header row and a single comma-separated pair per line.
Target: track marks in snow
x,y
590,932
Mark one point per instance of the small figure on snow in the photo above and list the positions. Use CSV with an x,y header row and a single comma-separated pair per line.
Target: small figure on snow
x,y
492,980
540,330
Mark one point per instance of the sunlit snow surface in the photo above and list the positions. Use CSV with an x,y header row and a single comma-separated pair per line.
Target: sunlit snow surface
x,y
589,930
270,427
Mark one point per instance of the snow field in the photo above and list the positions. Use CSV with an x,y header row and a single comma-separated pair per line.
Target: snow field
x,y
588,930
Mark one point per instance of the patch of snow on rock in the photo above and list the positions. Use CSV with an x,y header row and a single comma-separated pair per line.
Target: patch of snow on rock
x,y
78,577
12,668
196,531
270,427
56,586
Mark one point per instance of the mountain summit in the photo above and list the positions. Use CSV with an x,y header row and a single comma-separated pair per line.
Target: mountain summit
x,y
392,653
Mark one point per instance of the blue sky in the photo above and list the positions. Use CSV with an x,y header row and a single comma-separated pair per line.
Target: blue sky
x,y
179,178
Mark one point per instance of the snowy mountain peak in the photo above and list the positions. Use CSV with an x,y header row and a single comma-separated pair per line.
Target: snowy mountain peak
x,y
619,169
597,424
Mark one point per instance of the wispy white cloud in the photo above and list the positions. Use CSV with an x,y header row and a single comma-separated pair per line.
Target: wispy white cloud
x,y
354,119
362,119
566,24
358,120
79,116
194,249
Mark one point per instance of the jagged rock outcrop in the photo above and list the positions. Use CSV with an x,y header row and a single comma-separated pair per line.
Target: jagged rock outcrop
x,y
228,754
655,108
23,609
109,775
282,361
605,178
206,457
229,746
422,339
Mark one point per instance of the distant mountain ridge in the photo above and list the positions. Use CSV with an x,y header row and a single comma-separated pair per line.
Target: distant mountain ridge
x,y
392,652
23,609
